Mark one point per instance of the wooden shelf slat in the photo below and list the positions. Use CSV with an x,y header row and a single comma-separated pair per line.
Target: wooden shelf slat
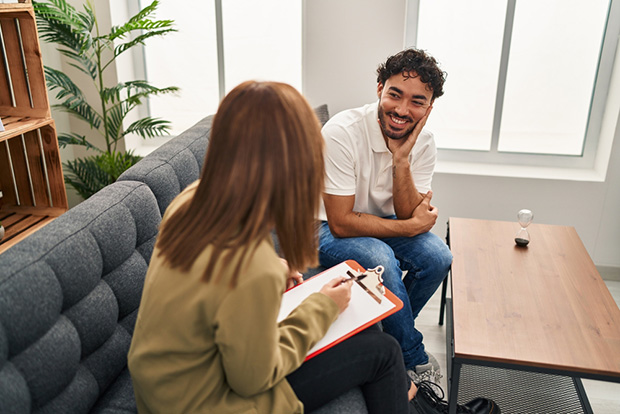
x,y
25,226
8,211
17,125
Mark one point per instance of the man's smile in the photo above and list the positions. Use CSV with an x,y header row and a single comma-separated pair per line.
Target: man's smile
x,y
399,120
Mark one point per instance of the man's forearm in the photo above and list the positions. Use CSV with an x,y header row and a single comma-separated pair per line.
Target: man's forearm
x,y
356,224
405,194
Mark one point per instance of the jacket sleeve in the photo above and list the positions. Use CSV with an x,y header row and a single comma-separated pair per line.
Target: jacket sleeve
x,y
256,351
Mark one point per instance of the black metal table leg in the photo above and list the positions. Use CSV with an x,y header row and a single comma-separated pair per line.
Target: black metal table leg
x,y
444,287
442,305
453,366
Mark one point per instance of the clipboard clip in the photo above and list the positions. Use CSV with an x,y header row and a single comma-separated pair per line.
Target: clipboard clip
x,y
371,281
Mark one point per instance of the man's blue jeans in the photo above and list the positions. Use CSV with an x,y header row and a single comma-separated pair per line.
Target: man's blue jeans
x,y
425,257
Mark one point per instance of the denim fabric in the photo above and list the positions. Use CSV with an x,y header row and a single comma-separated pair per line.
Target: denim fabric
x,y
425,257
370,360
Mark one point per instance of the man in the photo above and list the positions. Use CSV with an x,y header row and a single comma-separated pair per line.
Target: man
x,y
377,203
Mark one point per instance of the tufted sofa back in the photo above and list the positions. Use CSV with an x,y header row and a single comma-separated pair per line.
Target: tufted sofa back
x,y
174,165
69,297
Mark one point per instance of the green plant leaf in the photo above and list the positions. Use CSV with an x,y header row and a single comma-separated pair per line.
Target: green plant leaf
x,y
140,40
119,32
138,89
145,12
149,127
65,139
90,174
84,62
115,117
71,97
59,22
141,22
59,80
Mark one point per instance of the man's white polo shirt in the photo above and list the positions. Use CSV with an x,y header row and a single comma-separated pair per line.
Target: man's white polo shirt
x,y
358,162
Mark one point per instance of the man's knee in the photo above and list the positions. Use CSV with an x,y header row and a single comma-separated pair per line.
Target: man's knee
x,y
443,258
437,254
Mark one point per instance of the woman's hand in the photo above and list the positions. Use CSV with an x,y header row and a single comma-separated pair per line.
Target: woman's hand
x,y
292,278
339,289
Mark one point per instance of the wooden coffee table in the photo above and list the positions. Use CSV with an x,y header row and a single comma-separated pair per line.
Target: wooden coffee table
x,y
525,324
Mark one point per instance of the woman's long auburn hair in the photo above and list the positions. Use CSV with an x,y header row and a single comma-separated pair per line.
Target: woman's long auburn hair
x,y
263,169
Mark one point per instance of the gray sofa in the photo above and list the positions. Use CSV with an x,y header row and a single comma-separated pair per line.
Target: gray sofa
x,y
69,293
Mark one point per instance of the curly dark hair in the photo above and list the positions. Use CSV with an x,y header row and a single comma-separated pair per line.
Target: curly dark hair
x,y
414,60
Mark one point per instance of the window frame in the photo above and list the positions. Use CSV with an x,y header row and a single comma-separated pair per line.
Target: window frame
x,y
599,110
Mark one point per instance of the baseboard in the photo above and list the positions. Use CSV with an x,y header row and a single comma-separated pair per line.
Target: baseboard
x,y
609,272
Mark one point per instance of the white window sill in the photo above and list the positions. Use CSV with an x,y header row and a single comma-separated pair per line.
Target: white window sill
x,y
521,171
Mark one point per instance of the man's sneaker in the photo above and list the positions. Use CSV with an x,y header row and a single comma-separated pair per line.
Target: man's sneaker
x,y
433,361
426,372
427,401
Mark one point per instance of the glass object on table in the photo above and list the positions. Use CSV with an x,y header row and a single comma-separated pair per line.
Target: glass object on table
x,y
522,237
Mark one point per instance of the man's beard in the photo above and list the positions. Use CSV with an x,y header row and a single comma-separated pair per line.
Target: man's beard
x,y
385,128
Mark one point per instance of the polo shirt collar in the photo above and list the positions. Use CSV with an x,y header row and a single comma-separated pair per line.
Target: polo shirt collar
x,y
377,143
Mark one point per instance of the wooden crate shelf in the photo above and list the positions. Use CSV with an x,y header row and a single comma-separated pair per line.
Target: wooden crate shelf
x,y
17,125
31,179
20,5
18,225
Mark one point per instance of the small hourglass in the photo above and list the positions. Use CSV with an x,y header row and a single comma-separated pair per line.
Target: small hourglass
x,y
525,217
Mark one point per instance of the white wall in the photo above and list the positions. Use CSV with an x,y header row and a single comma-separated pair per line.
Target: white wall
x,y
345,40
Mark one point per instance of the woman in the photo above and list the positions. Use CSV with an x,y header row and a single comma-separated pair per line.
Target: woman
x,y
206,339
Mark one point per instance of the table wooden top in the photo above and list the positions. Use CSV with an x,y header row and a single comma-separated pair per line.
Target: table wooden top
x,y
544,305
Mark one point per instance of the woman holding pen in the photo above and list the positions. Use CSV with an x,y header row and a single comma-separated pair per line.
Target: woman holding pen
x,y
206,339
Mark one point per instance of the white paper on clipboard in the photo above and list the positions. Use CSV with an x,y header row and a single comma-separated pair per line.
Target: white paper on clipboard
x,y
362,311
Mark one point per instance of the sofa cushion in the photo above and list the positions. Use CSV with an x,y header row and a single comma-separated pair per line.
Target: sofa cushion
x,y
174,165
69,296
351,402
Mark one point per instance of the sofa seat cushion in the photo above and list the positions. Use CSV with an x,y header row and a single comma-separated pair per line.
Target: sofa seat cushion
x,y
351,402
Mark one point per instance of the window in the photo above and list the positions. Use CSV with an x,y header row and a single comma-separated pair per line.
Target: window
x,y
187,59
527,80
259,40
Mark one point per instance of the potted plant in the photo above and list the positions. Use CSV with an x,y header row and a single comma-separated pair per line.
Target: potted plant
x,y
77,33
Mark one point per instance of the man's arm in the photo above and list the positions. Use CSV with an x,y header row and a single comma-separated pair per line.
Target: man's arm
x,y
344,222
405,194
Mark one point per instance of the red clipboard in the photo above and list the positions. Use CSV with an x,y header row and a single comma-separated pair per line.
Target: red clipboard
x,y
362,312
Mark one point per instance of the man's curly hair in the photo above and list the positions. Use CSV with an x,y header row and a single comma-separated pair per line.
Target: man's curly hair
x,y
414,60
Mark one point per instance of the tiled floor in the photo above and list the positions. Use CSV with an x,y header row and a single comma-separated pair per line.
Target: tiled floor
x,y
604,397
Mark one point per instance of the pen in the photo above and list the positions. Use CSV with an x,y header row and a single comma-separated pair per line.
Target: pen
x,y
354,277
